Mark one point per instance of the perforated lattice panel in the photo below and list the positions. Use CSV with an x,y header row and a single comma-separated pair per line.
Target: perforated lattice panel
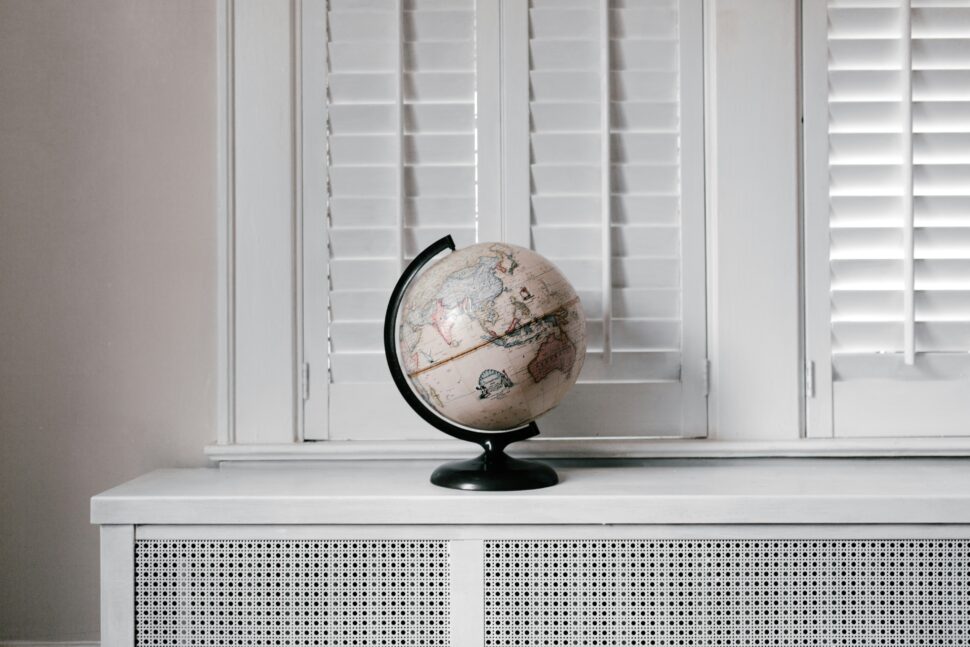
x,y
230,593
866,593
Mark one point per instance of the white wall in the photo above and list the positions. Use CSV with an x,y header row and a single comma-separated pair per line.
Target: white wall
x,y
107,279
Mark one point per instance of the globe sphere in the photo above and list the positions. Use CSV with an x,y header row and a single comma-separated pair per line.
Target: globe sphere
x,y
491,336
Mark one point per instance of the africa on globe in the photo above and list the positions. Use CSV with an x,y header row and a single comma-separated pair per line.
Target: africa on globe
x,y
491,337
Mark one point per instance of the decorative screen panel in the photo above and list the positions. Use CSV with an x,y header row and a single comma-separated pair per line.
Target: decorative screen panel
x,y
716,592
240,592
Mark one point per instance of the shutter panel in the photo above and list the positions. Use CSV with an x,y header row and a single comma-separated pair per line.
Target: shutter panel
x,y
899,216
402,155
605,109
402,174
404,170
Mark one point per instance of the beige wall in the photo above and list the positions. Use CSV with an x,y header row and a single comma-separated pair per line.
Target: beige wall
x,y
107,279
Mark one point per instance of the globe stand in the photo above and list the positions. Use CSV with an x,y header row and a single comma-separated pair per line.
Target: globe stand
x,y
494,470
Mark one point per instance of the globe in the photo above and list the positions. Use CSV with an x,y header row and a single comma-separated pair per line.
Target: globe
x,y
491,336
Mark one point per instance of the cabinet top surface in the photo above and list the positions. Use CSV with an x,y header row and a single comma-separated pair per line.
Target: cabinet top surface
x,y
664,491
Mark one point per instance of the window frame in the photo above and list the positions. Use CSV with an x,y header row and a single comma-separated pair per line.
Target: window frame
x,y
756,403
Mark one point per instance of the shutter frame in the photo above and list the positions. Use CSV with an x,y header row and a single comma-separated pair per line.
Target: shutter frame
x,y
859,303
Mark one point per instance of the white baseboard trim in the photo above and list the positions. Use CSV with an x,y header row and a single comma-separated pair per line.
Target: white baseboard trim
x,y
48,643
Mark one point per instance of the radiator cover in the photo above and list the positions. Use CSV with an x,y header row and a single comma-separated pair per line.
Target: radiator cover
x,y
711,592
575,592
308,592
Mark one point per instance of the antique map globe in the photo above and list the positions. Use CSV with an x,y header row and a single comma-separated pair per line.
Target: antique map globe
x,y
491,336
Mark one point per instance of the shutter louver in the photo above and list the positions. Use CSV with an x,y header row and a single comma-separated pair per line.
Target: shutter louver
x,y
899,120
402,157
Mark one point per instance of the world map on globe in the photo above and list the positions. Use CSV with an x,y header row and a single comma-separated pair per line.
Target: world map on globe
x,y
492,336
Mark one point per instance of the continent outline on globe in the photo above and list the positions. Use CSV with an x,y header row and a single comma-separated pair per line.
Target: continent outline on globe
x,y
491,336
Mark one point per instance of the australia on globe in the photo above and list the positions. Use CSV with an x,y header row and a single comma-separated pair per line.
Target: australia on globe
x,y
491,337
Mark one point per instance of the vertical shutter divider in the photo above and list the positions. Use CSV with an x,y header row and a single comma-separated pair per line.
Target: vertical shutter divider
x,y
909,270
605,177
399,115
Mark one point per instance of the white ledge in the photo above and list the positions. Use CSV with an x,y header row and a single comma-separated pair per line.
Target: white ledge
x,y
595,448
741,491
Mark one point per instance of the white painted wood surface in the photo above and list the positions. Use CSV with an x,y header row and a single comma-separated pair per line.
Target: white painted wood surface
x,y
455,533
600,448
753,227
467,566
117,585
765,491
263,281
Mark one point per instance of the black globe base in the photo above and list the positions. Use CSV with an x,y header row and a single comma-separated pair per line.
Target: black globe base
x,y
494,471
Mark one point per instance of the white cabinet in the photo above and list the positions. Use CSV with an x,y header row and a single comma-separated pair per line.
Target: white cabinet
x,y
759,552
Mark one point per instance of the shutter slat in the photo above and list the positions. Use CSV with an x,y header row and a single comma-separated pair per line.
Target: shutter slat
x,y
440,25
881,337
865,85
941,22
885,274
442,56
941,148
358,56
886,243
576,23
648,22
439,118
350,211
583,241
439,87
561,85
360,87
941,85
451,180
631,335
627,209
864,22
941,54
358,305
437,211
645,116
867,305
635,303
627,272
356,26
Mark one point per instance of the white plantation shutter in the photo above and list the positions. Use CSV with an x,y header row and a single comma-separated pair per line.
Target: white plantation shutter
x,y
408,103
889,293
614,127
402,170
